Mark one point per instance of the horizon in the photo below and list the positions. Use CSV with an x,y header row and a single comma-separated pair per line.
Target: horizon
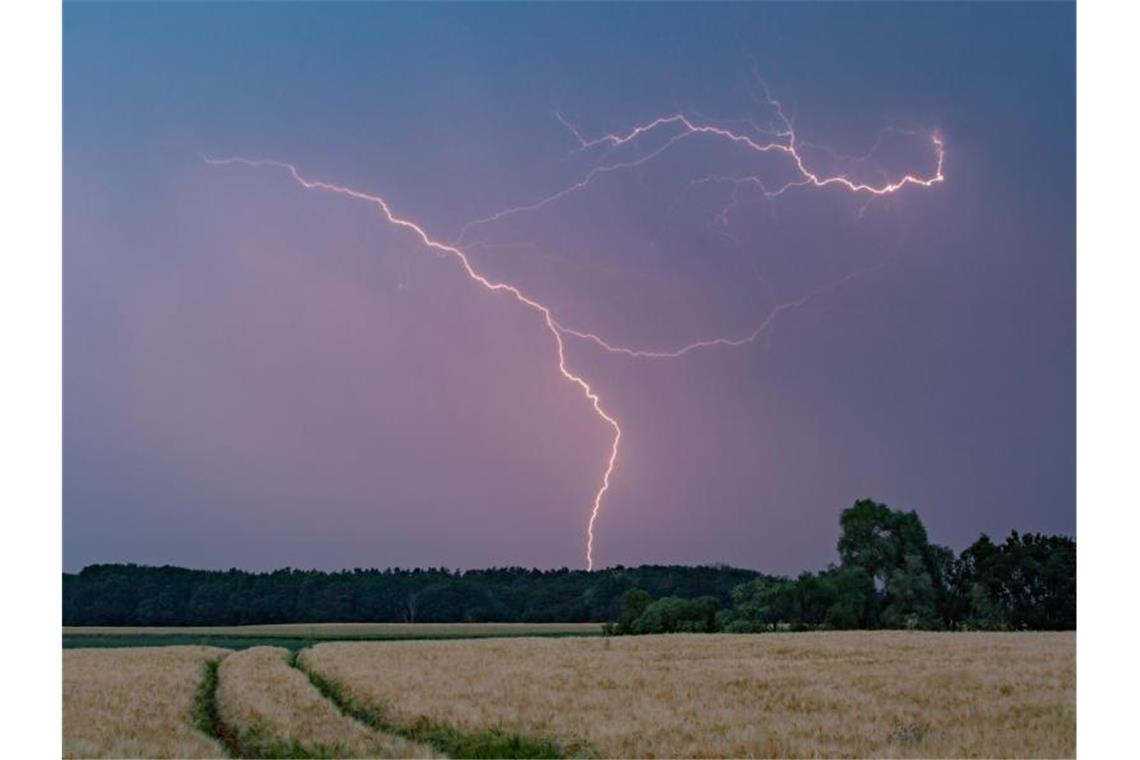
x,y
489,568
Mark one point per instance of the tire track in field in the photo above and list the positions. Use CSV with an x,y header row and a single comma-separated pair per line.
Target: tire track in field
x,y
440,735
261,708
206,717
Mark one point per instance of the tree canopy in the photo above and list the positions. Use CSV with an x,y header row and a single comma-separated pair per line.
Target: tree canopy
x,y
891,576
140,595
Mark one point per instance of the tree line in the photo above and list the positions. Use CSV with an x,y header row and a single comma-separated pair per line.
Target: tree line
x,y
139,595
889,576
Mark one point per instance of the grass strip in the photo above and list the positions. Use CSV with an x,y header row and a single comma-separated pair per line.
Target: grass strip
x,y
442,736
257,743
293,643
206,717
115,641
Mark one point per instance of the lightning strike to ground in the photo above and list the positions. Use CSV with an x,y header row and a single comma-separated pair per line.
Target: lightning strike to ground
x,y
498,287
684,127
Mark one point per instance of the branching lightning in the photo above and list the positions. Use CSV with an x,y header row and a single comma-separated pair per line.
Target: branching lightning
x,y
682,126
686,127
499,287
786,143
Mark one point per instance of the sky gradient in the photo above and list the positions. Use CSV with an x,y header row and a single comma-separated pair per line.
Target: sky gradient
x,y
259,375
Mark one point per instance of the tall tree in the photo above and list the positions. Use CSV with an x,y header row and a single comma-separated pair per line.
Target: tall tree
x,y
909,573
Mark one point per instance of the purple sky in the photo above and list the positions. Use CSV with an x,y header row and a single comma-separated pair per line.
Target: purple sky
x,y
259,375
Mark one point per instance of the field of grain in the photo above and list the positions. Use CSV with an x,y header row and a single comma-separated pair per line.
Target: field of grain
x,y
134,703
882,694
879,694
274,711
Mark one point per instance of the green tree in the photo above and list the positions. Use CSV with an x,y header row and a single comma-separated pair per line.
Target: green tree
x,y
855,602
633,604
760,605
911,598
672,614
908,572
1028,582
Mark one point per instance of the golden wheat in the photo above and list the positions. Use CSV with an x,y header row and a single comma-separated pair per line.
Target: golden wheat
x,y
882,694
134,702
273,705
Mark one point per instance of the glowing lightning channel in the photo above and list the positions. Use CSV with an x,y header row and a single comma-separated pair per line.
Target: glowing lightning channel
x,y
518,295
767,322
579,185
642,353
684,126
787,145
809,178
688,127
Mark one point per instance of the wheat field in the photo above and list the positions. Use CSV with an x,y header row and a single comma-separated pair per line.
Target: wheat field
x,y
882,694
134,702
839,694
274,708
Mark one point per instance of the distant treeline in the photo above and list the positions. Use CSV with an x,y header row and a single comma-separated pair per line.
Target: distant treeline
x,y
889,576
139,595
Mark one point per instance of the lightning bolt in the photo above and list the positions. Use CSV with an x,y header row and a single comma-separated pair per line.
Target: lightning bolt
x,y
731,342
682,127
687,128
786,143
496,287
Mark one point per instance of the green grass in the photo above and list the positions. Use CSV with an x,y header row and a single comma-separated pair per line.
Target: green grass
x,y
448,739
103,641
298,636
206,717
258,743
293,644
